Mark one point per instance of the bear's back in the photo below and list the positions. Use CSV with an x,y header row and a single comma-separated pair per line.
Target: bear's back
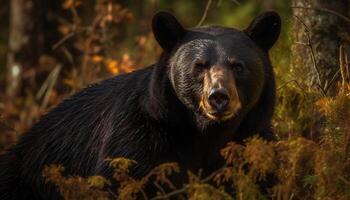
x,y
78,132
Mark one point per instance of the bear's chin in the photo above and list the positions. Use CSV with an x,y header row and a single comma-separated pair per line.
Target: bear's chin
x,y
226,116
208,122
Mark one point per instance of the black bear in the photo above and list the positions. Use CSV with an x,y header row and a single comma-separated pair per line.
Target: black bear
x,y
211,85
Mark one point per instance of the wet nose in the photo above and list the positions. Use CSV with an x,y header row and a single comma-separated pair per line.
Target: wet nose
x,y
218,99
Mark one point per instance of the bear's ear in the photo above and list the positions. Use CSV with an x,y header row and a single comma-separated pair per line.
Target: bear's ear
x,y
167,30
265,29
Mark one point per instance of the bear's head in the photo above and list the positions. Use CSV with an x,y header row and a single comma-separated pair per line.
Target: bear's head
x,y
217,72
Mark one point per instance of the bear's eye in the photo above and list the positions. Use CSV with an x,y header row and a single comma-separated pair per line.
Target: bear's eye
x,y
201,63
237,66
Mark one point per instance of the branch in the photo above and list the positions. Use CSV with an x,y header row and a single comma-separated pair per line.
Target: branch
x,y
207,9
332,80
205,13
236,2
343,66
288,82
312,55
170,194
64,39
183,189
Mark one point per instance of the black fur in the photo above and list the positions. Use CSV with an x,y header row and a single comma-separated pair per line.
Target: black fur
x,y
147,115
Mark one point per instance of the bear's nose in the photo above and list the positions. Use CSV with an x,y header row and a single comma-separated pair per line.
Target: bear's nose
x,y
218,99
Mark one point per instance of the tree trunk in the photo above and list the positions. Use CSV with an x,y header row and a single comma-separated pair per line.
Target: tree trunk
x,y
19,39
32,34
314,24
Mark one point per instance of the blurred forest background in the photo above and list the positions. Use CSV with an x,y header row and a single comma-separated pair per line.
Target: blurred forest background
x,y
51,49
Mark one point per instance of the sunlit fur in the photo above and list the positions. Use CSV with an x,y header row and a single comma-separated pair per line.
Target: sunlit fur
x,y
220,77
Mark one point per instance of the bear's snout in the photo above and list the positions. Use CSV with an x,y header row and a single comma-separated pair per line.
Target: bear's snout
x,y
219,99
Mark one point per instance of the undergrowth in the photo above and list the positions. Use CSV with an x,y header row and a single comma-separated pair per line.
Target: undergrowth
x,y
303,168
